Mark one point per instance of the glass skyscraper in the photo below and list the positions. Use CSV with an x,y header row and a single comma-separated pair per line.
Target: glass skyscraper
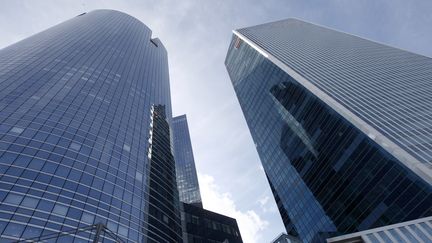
x,y
187,180
198,224
204,226
342,125
84,132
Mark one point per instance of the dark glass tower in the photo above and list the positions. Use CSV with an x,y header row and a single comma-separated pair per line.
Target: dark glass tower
x,y
342,125
75,115
204,226
187,180
198,224
164,205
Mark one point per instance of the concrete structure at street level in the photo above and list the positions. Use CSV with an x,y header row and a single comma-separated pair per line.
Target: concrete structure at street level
x,y
342,125
285,238
85,114
199,225
414,231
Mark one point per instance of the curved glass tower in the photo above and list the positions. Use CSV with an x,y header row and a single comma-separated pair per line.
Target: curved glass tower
x,y
75,131
342,125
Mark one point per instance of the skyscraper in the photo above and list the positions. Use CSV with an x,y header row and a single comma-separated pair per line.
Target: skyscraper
x,y
187,179
164,204
204,226
80,142
198,224
342,125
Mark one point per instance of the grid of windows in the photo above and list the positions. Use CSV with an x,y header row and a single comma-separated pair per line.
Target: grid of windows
x,y
164,208
328,177
74,113
203,226
385,87
187,180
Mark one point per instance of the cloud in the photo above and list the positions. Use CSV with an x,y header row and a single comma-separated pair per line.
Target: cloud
x,y
266,206
250,223
263,201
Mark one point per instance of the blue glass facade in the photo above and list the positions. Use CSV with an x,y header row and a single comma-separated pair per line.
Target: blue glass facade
x,y
187,180
312,98
75,119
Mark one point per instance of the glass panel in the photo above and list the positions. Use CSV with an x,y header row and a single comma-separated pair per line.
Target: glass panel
x,y
30,202
14,229
427,228
138,176
75,146
17,130
87,218
123,230
372,238
60,210
13,199
408,235
419,233
385,237
31,232
112,226
396,235
126,147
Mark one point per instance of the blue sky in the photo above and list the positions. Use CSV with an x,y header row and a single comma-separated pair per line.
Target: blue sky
x,y
196,34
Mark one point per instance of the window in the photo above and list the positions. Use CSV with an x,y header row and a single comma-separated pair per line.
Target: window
x,y
165,219
237,43
17,130
36,164
195,219
112,226
372,238
126,147
31,232
87,218
123,230
426,227
139,176
60,210
30,202
13,199
14,229
75,146
8,157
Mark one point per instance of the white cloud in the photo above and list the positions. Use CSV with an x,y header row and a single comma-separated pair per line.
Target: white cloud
x,y
263,201
250,223
266,206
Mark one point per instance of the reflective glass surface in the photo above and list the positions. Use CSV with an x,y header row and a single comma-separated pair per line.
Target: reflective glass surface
x,y
187,180
75,110
327,176
203,226
387,87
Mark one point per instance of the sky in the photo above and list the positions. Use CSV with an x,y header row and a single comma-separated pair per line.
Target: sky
x,y
196,34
